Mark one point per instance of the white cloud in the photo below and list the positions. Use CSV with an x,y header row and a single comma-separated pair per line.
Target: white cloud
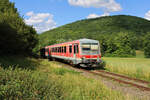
x,y
40,21
107,5
30,13
90,16
105,14
147,15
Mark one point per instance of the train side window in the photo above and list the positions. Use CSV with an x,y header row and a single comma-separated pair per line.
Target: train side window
x,y
76,48
56,49
62,49
47,50
70,49
65,49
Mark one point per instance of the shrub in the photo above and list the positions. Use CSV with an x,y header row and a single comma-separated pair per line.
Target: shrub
x,y
147,46
23,84
16,37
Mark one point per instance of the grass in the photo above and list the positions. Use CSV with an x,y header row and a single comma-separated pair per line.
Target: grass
x,y
77,87
19,61
49,81
138,67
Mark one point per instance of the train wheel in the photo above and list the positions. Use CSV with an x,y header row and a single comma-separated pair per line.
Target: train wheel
x,y
74,65
50,59
71,63
53,59
77,65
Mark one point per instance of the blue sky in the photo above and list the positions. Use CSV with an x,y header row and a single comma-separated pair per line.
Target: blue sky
x,y
49,14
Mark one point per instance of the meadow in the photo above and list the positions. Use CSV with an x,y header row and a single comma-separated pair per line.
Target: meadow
x,y
138,67
29,78
37,79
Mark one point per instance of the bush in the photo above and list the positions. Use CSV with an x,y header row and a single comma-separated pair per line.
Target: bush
x,y
16,37
120,46
21,84
147,46
52,82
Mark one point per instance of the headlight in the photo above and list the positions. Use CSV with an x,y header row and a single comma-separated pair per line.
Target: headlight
x,y
98,59
83,59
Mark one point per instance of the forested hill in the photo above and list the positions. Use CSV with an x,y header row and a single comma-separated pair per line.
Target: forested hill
x,y
94,28
103,28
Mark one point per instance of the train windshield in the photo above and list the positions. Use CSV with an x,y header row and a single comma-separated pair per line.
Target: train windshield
x,y
90,48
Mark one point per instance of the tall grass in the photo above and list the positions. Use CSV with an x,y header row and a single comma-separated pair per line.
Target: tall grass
x,y
138,67
21,84
19,61
51,81
77,87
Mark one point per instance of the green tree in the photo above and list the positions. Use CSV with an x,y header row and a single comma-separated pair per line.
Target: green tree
x,y
124,44
16,37
147,45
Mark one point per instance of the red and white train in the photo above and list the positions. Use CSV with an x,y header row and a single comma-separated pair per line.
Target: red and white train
x,y
77,52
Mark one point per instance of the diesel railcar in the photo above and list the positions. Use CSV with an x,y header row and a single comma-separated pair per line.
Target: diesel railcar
x,y
77,52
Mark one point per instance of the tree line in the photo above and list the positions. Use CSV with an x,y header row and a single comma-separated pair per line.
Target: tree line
x,y
119,35
15,36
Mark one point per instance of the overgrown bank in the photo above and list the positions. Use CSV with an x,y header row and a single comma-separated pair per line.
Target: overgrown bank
x,y
51,82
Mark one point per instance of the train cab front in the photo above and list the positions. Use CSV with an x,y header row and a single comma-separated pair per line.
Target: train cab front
x,y
90,53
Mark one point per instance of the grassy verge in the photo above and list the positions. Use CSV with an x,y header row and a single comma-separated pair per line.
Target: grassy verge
x,y
138,67
19,61
49,81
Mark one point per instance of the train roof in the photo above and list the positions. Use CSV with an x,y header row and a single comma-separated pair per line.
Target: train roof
x,y
84,40
87,40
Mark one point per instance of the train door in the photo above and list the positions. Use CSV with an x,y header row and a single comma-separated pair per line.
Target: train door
x,y
46,52
76,50
70,51
49,52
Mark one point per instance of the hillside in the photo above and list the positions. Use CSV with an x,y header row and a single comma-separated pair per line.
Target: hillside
x,y
119,35
94,28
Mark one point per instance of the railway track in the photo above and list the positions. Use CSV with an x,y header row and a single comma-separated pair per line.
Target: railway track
x,y
140,84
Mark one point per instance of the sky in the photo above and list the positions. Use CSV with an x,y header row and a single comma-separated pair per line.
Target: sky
x,y
45,15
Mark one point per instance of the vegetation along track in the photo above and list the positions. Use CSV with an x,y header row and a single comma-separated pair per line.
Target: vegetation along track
x,y
141,84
